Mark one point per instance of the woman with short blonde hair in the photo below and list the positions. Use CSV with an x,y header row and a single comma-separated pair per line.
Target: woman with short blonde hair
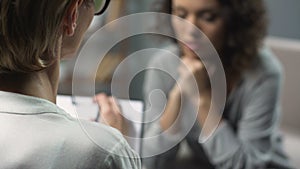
x,y
35,133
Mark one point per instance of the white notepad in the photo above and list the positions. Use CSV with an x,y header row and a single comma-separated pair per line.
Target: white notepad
x,y
84,108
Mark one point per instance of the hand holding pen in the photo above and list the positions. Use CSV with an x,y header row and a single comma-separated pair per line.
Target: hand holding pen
x,y
111,113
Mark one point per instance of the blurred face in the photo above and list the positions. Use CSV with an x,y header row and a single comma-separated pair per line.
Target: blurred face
x,y
206,16
70,44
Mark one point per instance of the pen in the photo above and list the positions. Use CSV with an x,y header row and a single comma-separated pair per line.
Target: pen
x,y
73,100
98,116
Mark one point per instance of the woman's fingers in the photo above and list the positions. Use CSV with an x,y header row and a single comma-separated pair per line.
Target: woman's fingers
x,y
115,105
110,111
104,102
193,70
118,111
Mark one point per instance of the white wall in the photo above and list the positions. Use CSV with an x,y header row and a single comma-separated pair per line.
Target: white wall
x,y
288,52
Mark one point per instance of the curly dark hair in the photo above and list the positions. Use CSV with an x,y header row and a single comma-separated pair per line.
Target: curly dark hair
x,y
245,24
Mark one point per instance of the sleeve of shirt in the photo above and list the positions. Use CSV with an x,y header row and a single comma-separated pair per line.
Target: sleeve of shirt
x,y
122,157
250,146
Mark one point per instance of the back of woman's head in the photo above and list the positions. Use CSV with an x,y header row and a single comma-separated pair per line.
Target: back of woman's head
x,y
29,33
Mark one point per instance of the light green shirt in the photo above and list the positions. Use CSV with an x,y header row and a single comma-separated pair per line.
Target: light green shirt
x,y
36,134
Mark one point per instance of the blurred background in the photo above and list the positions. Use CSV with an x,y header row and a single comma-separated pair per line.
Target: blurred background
x,y
283,38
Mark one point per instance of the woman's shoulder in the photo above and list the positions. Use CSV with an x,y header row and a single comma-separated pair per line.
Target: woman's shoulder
x,y
267,64
270,62
92,140
101,135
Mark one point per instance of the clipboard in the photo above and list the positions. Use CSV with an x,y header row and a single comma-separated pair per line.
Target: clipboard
x,y
83,107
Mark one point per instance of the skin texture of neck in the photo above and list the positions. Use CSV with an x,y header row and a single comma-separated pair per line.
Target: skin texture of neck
x,y
42,84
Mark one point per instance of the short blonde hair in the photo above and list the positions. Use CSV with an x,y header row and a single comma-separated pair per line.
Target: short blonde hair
x,y
29,33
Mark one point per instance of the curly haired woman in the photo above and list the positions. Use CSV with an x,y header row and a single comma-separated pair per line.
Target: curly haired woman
x,y
247,135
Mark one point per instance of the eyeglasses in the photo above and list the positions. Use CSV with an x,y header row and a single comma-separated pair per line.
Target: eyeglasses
x,y
100,6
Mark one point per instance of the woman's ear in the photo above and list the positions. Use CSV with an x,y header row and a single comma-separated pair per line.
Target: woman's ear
x,y
70,19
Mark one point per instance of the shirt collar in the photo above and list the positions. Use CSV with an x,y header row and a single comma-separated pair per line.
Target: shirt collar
x,y
23,104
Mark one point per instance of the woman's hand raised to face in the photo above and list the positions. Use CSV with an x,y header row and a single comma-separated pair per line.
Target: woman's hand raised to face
x,y
192,70
110,112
